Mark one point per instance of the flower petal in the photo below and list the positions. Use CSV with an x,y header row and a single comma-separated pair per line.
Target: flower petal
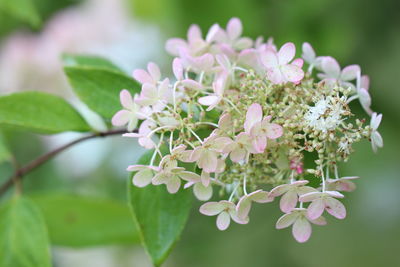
x,y
143,177
301,230
331,67
288,201
253,115
279,190
335,208
286,53
286,220
202,192
316,208
223,220
243,207
292,73
234,28
121,118
274,131
349,73
211,208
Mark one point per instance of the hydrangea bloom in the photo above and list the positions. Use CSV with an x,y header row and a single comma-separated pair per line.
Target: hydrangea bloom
x,y
240,117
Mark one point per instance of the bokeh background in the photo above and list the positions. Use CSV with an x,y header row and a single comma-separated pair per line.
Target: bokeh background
x,y
132,32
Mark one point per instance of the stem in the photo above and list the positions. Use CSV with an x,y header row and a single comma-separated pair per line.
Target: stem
x,y
21,172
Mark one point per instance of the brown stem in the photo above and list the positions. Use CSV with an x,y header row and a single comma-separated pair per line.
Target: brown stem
x,y
21,172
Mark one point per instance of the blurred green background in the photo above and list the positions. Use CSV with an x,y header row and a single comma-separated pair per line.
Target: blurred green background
x,y
355,32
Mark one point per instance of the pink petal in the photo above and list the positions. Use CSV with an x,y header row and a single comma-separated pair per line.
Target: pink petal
x,y
288,201
209,100
292,73
238,155
260,143
275,75
194,33
154,71
225,122
349,73
279,190
223,220
308,53
335,194
177,68
301,230
274,131
260,196
205,178
234,28
208,161
298,62
126,99
315,209
204,62
243,207
269,58
202,192
173,46
211,208
121,118
365,82
192,84
243,43
331,67
213,32
310,196
253,115
223,60
286,220
319,221
142,76
286,53
335,208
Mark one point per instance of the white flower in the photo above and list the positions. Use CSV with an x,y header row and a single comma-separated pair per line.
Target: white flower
x,y
376,138
301,224
225,211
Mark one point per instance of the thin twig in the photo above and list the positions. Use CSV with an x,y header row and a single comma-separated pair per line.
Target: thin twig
x,y
21,172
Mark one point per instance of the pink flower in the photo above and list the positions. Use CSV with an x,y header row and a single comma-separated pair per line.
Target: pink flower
x,y
240,148
332,72
244,204
301,224
198,64
144,134
232,35
157,96
321,201
291,193
128,115
362,93
206,155
201,191
144,174
151,76
170,174
376,138
225,210
213,100
260,128
279,68
195,45
310,57
342,184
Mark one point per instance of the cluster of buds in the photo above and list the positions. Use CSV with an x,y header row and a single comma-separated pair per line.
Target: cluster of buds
x,y
242,116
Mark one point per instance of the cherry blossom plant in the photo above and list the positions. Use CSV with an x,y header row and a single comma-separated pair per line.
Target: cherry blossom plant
x,y
238,121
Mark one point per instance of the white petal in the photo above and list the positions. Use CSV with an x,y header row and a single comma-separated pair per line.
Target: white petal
x,y
202,192
212,208
223,220
286,53
143,178
286,220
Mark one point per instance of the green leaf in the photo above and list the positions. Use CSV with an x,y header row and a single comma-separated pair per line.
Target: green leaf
x,y
5,154
23,10
159,215
89,61
40,112
79,221
100,88
23,235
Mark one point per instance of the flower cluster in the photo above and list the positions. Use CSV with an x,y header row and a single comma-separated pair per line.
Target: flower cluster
x,y
244,116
